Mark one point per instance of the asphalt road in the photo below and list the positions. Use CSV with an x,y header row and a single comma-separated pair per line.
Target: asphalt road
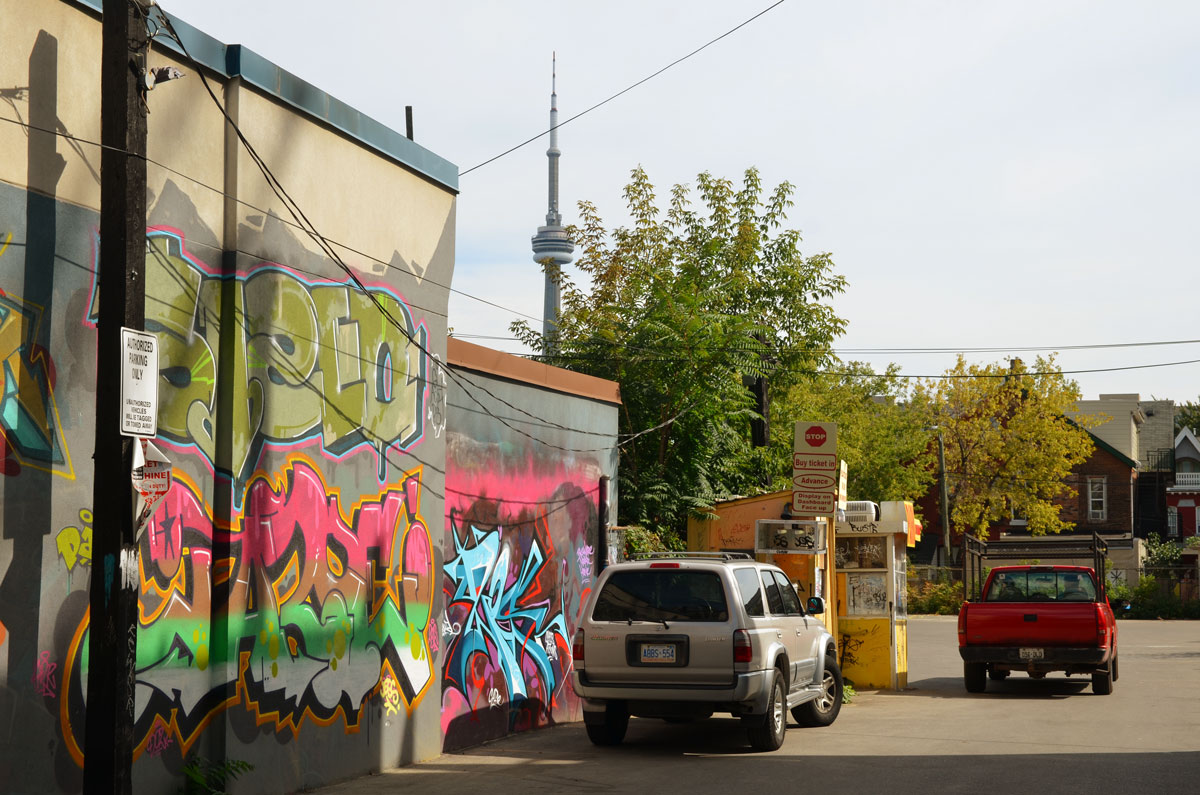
x,y
1022,736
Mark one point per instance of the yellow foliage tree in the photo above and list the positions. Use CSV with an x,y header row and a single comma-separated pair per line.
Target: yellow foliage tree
x,y
1010,445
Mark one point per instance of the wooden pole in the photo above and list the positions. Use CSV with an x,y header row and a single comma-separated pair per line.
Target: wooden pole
x,y
112,641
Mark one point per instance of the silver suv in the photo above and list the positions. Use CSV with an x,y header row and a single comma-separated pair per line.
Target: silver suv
x,y
680,636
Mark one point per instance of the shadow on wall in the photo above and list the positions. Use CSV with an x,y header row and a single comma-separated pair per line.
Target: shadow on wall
x,y
34,459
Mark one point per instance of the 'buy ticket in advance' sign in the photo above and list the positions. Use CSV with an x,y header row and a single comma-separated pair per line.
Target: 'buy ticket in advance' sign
x,y
814,469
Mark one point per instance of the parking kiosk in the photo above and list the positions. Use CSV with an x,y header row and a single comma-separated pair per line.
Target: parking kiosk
x,y
871,560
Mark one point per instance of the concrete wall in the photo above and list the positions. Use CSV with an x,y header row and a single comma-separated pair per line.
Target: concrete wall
x,y
526,446
288,582
1158,431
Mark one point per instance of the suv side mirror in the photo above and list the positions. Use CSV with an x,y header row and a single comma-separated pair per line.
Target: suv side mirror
x,y
815,605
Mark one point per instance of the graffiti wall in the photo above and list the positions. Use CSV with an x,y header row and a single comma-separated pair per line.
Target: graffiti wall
x,y
520,550
290,583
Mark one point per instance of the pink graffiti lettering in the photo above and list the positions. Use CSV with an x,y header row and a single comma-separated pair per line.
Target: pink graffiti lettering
x,y
159,741
45,682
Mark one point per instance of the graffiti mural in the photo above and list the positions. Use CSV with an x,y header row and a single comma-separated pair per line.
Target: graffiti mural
x,y
30,429
508,623
514,580
313,358
299,612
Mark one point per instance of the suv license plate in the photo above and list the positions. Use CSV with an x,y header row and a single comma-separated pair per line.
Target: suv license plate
x,y
1031,654
658,653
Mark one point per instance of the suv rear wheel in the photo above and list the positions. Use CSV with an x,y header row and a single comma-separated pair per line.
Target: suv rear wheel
x,y
768,736
824,709
612,730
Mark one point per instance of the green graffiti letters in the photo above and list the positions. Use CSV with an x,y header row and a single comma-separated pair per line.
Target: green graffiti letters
x,y
301,358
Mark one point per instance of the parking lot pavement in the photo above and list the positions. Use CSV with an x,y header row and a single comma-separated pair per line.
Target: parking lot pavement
x,y
1022,735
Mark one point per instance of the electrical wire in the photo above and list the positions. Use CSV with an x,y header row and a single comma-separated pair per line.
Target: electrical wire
x,y
269,213
307,226
833,351
622,91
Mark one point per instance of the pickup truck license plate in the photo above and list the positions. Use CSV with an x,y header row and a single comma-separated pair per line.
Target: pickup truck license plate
x,y
658,653
1031,654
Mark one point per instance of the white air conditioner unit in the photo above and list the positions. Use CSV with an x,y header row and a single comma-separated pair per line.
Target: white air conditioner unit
x,y
862,511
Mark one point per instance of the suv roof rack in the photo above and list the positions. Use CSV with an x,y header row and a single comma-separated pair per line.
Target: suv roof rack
x,y
701,555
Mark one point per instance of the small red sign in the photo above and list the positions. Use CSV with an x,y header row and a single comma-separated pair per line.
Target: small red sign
x,y
815,436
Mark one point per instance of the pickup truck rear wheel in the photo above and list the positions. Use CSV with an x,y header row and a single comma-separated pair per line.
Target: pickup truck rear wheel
x,y
997,674
975,677
768,735
824,709
1102,680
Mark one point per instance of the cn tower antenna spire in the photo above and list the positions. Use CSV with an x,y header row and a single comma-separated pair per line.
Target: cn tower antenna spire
x,y
551,247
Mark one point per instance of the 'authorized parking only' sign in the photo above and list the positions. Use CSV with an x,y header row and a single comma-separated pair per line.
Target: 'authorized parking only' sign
x,y
139,383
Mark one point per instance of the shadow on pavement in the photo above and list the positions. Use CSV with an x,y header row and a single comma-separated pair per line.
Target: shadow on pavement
x,y
565,761
1015,686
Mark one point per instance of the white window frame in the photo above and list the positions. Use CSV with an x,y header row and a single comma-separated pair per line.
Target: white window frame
x,y
1097,492
1172,522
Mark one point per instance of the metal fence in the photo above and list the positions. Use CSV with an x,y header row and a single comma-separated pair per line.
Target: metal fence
x,y
1173,583
1180,583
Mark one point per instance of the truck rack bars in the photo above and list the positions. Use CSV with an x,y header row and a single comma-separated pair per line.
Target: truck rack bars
x,y
975,550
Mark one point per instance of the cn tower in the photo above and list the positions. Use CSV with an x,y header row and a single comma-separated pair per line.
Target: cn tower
x,y
551,241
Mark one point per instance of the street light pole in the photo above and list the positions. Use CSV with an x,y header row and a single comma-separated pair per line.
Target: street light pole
x,y
945,511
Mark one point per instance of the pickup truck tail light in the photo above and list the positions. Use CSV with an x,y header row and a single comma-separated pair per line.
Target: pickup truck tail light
x,y
962,627
1102,628
743,650
577,649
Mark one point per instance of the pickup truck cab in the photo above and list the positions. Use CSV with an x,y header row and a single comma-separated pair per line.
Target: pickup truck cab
x,y
1039,619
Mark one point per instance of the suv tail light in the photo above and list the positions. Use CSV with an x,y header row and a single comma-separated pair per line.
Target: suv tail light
x,y
577,648
664,565
743,651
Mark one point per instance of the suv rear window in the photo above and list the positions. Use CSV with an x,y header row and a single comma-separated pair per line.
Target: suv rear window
x,y
662,595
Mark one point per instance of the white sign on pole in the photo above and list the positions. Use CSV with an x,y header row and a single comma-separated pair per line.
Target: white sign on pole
x,y
139,383
815,472
151,478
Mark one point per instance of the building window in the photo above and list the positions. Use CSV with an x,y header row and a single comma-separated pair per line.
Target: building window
x,y
1097,500
1172,521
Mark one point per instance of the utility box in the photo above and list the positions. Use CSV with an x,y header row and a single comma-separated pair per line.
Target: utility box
x,y
872,569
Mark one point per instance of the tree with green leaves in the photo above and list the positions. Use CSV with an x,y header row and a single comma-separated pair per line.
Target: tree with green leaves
x,y
1187,415
882,433
1010,446
680,307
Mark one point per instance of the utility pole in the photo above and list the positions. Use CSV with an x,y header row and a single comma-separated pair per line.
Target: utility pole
x,y
112,642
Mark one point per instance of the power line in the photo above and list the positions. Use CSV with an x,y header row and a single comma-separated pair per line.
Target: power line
x,y
630,436
270,213
622,91
893,350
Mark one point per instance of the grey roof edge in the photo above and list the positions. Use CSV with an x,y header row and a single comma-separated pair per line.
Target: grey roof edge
x,y
235,60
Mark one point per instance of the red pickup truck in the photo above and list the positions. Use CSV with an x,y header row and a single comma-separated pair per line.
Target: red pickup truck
x,y
1036,618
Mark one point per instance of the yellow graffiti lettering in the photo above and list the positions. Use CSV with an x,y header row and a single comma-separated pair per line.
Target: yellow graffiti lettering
x,y
75,544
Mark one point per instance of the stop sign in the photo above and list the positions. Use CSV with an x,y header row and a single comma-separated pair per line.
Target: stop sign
x,y
815,436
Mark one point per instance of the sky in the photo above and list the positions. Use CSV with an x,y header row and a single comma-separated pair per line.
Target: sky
x,y
1000,177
